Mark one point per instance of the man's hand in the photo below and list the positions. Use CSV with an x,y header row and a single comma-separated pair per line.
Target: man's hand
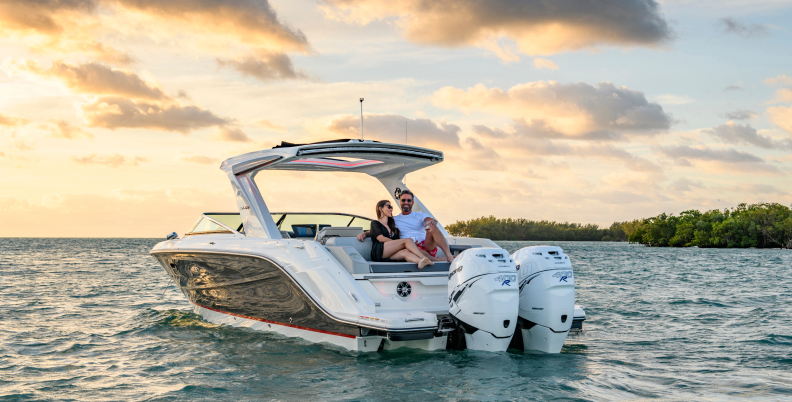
x,y
431,224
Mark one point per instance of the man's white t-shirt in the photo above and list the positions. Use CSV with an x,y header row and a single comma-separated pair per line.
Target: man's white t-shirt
x,y
411,225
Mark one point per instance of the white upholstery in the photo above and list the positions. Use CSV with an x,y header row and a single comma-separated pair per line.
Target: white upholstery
x,y
362,247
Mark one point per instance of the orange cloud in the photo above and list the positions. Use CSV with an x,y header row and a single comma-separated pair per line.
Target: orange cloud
x,y
782,117
537,27
248,21
393,128
204,160
544,63
266,124
266,67
231,134
89,26
6,120
551,109
115,112
780,80
62,129
113,161
88,78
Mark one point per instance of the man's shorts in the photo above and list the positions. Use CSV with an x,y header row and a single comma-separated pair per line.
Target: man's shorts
x,y
420,245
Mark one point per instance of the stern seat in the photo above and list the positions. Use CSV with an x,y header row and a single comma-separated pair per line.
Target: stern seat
x,y
355,255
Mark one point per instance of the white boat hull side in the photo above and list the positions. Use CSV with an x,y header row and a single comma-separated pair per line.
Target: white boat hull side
x,y
357,344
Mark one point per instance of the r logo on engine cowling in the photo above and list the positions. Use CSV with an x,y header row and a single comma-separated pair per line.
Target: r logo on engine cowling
x,y
506,280
563,276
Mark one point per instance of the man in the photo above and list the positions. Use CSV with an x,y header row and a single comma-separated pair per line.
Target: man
x,y
419,226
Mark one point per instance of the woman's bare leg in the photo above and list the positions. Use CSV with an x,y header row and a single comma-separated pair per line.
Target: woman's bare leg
x,y
407,255
390,248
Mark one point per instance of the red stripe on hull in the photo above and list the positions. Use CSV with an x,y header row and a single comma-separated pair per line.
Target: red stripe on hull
x,y
278,323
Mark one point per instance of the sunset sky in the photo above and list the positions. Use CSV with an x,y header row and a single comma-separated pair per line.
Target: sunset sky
x,y
116,114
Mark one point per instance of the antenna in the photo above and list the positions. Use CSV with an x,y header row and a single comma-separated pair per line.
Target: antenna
x,y
405,132
361,119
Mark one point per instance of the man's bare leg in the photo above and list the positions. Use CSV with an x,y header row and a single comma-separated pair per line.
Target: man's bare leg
x,y
434,238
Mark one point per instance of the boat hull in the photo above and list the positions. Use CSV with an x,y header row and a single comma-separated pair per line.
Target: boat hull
x,y
254,292
251,287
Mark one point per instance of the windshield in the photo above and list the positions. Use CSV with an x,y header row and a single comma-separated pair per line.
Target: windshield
x,y
297,224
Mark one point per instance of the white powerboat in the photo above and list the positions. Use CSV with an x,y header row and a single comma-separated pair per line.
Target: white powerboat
x,y
307,275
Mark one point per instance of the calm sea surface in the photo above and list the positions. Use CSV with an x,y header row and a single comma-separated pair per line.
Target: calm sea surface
x,y
92,319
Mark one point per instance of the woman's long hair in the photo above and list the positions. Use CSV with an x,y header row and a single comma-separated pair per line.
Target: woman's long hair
x,y
391,222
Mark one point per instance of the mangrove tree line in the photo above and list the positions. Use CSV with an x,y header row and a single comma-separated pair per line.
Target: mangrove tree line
x,y
761,225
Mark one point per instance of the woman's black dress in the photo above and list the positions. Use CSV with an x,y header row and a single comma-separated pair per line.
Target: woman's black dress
x,y
377,228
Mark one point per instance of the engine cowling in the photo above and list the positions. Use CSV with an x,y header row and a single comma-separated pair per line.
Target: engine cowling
x,y
483,297
547,297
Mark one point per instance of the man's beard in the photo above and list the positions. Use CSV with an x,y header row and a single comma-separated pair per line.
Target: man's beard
x,y
406,208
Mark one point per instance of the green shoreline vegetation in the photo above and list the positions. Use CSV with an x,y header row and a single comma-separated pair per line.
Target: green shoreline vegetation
x,y
764,225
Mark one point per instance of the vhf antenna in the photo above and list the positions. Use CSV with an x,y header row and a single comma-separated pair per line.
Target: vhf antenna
x,y
361,119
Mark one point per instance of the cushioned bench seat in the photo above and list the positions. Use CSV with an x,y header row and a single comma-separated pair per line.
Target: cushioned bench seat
x,y
395,267
355,256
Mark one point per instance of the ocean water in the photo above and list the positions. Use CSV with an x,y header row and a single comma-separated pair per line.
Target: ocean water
x,y
96,319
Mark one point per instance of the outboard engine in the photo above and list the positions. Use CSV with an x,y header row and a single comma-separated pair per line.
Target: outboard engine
x,y
483,296
547,297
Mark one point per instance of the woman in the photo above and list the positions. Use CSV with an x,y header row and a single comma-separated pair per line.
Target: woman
x,y
387,245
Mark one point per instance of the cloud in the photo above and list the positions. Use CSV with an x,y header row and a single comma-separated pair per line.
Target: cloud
x,y
115,112
265,68
87,26
231,134
782,117
88,78
479,157
487,132
204,160
780,80
575,110
523,141
57,26
254,22
684,185
544,63
783,95
708,154
669,99
735,133
725,159
113,161
266,124
126,100
536,27
740,115
757,188
734,87
58,128
7,120
391,128
732,26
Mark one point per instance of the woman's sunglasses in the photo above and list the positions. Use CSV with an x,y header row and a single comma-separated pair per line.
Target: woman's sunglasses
x,y
389,206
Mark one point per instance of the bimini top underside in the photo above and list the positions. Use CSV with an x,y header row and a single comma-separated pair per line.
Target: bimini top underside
x,y
370,157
